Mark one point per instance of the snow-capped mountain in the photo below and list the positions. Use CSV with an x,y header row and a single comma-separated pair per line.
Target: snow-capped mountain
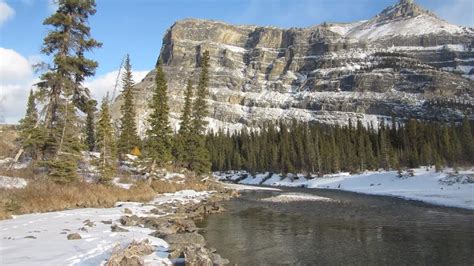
x,y
402,20
404,62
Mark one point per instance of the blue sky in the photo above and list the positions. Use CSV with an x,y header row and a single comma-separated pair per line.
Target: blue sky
x,y
137,27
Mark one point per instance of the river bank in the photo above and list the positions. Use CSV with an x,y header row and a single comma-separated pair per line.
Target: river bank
x,y
160,232
448,188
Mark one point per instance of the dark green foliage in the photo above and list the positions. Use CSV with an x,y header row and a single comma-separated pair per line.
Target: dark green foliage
x,y
106,144
158,137
128,138
467,140
60,88
64,140
67,42
199,160
182,140
321,149
90,125
31,136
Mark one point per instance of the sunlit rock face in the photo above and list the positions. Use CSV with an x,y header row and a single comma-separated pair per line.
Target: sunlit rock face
x,y
405,62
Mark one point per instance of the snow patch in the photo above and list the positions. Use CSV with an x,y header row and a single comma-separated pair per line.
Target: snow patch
x,y
12,182
292,197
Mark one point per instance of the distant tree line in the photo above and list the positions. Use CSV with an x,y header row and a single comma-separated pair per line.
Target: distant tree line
x,y
322,149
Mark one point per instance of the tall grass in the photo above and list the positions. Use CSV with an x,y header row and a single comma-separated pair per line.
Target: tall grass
x,y
45,196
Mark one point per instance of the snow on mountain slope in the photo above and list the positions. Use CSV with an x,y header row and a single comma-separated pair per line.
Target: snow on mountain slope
x,y
403,19
420,25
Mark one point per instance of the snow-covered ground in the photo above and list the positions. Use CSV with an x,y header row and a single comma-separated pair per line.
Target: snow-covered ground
x,y
41,239
447,188
12,182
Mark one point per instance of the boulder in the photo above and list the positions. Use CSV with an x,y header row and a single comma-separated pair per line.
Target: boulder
x,y
179,241
74,236
116,228
132,255
129,220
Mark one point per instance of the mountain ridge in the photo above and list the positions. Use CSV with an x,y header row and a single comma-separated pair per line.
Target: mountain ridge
x,y
317,73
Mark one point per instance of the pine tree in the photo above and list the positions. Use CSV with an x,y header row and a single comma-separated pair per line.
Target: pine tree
x,y
128,139
384,158
30,134
61,86
199,160
62,167
182,152
467,140
447,145
90,125
159,135
106,144
310,151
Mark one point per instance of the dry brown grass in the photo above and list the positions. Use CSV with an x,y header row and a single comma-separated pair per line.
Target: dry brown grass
x,y
43,196
25,173
162,186
8,134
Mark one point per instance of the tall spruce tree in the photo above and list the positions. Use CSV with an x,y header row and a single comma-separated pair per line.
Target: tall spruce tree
x,y
62,167
106,144
30,134
182,151
128,138
159,135
199,159
90,125
61,87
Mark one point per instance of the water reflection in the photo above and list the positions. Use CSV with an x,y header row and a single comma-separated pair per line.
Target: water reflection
x,y
357,229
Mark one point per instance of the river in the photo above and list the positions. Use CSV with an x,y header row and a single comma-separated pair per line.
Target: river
x,y
351,229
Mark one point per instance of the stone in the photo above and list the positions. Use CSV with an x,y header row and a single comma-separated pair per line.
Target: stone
x,y
127,211
74,236
178,241
116,228
218,260
129,220
88,223
132,255
196,255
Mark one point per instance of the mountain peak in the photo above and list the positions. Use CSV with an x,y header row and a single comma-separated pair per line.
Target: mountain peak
x,y
403,10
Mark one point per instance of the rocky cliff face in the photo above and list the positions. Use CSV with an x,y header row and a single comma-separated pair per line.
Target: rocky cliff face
x,y
404,62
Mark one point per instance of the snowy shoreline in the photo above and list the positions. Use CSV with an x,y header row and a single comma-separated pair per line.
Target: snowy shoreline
x,y
43,237
444,189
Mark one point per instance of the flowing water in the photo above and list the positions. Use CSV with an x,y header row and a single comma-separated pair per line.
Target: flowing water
x,y
352,229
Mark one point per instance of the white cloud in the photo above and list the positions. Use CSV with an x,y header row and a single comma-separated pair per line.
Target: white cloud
x,y
14,68
6,12
16,79
100,85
